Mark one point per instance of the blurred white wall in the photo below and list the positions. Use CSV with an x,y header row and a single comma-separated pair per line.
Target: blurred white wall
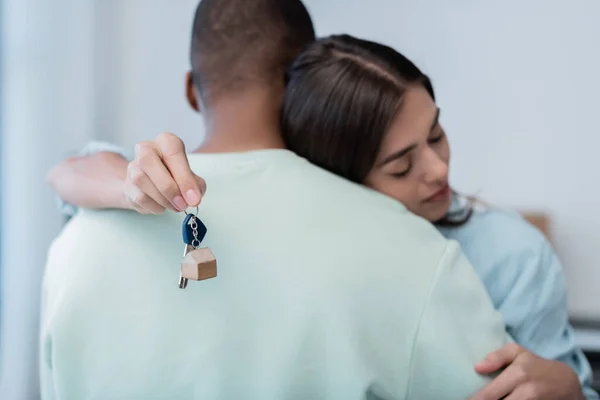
x,y
144,59
47,97
517,82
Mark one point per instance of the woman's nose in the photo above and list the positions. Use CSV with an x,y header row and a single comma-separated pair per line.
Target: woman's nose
x,y
437,169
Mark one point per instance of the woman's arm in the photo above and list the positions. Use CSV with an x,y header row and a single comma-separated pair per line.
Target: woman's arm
x,y
93,179
159,177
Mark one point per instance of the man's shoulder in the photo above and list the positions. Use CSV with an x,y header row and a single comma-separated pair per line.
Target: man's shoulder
x,y
372,214
280,173
116,221
110,233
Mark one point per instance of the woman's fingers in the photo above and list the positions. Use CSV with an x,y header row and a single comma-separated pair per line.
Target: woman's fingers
x,y
172,152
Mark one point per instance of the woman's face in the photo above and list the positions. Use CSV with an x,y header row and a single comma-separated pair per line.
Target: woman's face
x,y
412,164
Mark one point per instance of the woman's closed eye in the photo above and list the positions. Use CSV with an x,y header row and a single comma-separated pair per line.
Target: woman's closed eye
x,y
437,137
401,174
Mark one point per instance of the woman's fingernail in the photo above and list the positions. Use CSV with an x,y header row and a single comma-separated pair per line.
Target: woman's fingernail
x,y
179,203
192,197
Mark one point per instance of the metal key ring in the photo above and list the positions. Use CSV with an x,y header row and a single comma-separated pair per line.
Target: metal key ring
x,y
186,213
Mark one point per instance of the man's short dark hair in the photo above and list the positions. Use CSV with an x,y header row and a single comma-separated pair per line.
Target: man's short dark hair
x,y
239,43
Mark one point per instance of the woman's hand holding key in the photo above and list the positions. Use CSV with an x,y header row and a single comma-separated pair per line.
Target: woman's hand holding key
x,y
160,177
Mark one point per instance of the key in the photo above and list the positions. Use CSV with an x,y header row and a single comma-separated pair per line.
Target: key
x,y
183,281
199,264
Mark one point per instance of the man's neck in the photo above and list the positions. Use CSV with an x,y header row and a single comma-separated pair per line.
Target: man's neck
x,y
244,122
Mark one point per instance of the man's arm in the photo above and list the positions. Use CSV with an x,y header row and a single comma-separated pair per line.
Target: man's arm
x,y
158,178
458,324
538,309
458,328
547,364
527,376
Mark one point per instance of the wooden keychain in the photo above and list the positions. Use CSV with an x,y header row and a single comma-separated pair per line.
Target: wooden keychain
x,y
199,263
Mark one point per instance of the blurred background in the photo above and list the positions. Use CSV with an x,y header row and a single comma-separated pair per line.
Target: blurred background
x,y
517,81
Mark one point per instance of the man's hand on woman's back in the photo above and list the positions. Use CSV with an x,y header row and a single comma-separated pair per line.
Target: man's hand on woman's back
x,y
524,376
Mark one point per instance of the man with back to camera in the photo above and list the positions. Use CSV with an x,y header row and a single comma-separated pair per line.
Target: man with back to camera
x,y
293,313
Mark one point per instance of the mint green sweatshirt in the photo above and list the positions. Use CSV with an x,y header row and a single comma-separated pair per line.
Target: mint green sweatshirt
x,y
325,290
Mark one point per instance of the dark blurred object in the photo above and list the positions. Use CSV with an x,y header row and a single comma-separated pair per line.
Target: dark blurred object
x,y
587,336
594,359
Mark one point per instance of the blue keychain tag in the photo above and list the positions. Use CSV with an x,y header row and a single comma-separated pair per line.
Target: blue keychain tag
x,y
187,230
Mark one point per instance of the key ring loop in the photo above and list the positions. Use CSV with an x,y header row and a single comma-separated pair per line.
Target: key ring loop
x,y
197,209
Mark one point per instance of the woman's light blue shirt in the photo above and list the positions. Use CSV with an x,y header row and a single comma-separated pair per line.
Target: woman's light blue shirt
x,y
526,283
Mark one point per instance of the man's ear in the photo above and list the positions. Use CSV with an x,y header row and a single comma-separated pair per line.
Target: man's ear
x,y
190,92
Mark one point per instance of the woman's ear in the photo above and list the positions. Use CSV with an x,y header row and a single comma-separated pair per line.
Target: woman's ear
x,y
190,92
